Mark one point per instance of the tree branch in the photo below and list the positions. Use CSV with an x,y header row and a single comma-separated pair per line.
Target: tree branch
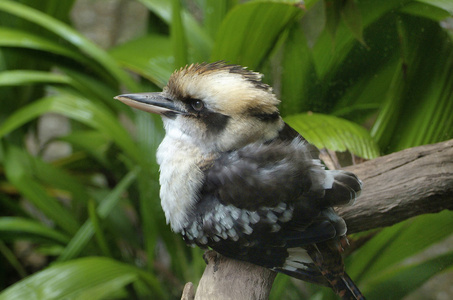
x,y
395,187
402,185
226,278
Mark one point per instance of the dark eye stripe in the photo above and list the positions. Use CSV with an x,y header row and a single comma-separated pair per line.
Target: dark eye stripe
x,y
215,122
266,117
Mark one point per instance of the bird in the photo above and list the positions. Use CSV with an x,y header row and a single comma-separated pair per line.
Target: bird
x,y
234,177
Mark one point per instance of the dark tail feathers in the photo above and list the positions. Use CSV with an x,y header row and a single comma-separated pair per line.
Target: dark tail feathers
x,y
346,288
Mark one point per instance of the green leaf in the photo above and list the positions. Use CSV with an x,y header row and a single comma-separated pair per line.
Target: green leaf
x,y
200,42
78,109
178,36
387,118
367,94
427,10
214,12
401,241
24,77
86,231
156,63
72,36
353,19
20,39
149,136
334,133
297,63
333,13
86,278
17,38
89,86
99,234
93,142
328,57
11,258
17,170
250,47
401,281
58,179
446,5
20,228
417,111
93,87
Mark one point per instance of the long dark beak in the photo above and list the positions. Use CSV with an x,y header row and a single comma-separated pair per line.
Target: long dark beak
x,y
150,102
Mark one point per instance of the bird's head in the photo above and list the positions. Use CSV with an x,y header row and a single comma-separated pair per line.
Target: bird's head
x,y
217,106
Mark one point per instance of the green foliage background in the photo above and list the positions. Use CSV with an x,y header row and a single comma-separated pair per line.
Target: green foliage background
x,y
368,77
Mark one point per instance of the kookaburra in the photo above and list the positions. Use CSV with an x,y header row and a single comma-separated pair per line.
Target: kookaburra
x,y
234,177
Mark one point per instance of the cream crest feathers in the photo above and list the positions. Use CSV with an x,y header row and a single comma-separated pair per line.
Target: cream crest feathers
x,y
227,89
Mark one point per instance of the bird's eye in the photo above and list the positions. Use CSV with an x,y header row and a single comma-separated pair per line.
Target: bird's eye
x,y
198,105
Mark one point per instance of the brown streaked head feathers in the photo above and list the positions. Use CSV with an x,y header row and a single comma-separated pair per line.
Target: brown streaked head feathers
x,y
233,89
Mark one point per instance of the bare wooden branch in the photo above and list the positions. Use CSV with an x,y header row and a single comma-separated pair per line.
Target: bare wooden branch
x,y
189,292
229,279
396,187
402,185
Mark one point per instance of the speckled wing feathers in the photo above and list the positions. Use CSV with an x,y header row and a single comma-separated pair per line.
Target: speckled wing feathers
x,y
273,190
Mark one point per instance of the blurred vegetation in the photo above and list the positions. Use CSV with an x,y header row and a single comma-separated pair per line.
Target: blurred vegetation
x,y
368,77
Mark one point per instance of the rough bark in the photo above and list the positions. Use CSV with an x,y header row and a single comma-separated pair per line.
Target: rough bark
x,y
229,279
395,187
402,185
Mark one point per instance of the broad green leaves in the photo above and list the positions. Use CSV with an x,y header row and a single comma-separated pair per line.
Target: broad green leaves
x,y
11,227
24,77
17,38
333,133
265,23
85,278
385,263
78,109
417,108
106,205
149,56
197,37
17,170
72,36
394,284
